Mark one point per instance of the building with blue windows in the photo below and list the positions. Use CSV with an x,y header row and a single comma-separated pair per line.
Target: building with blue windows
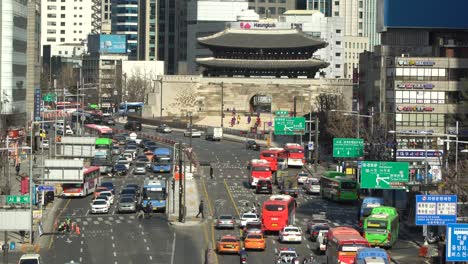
x,y
324,6
125,21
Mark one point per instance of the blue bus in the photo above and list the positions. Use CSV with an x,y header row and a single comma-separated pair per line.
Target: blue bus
x,y
372,255
366,207
162,161
131,108
155,191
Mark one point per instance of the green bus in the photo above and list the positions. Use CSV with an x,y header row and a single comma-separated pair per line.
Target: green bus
x,y
103,144
337,186
382,226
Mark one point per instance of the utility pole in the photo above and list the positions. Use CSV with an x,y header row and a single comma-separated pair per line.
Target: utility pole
x,y
181,187
222,104
294,114
316,150
190,141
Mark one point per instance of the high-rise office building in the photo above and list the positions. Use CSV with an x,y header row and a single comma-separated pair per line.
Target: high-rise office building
x,y
353,13
65,26
13,63
324,6
272,8
33,61
147,30
370,22
125,21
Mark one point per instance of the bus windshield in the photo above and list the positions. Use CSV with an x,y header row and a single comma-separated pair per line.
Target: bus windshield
x,y
274,207
295,150
261,168
162,160
351,247
153,195
376,224
348,185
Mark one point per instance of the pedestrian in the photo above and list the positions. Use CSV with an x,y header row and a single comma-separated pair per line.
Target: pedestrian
x,y
233,121
67,224
238,119
211,172
17,168
249,119
200,210
35,159
139,209
149,208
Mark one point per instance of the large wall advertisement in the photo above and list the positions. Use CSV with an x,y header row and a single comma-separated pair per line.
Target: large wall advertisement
x,y
107,44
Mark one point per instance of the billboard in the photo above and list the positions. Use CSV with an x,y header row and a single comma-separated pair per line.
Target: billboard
x,y
76,147
447,14
63,170
15,219
107,44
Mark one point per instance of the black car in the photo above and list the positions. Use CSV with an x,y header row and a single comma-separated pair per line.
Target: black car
x,y
109,186
251,144
264,186
108,121
129,191
313,233
143,142
134,186
133,125
120,168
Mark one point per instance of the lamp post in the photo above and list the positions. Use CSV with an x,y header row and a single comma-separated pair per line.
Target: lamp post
x,y
160,98
222,104
190,139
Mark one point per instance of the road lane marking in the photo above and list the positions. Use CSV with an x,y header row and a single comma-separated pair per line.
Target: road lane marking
x,y
173,249
211,213
87,212
115,254
147,248
113,245
232,198
81,259
81,250
144,240
112,237
151,257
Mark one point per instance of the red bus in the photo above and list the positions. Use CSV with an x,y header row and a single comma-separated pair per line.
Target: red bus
x,y
91,179
276,156
277,212
259,169
343,244
295,154
99,131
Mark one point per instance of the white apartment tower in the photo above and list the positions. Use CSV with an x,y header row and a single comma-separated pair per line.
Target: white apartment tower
x,y
353,13
65,25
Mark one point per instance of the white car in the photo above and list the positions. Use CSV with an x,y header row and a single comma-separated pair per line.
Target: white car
x,y
302,177
127,156
30,259
103,197
287,256
195,133
249,217
290,234
321,244
45,144
125,162
68,130
108,194
99,206
163,129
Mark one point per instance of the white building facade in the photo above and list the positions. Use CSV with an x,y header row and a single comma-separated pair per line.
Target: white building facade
x,y
330,29
66,24
206,18
353,13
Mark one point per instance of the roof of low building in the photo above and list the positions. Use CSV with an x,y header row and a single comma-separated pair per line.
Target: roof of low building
x,y
261,64
261,39
301,12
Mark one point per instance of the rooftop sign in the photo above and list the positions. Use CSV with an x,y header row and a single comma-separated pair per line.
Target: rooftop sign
x,y
264,25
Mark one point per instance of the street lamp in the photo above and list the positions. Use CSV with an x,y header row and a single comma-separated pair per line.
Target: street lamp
x,y
160,97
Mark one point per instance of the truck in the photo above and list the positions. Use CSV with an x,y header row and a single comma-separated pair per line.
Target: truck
x,y
154,190
214,133
76,147
289,185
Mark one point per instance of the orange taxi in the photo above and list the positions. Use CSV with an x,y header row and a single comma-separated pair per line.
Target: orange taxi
x,y
98,191
228,244
149,155
255,241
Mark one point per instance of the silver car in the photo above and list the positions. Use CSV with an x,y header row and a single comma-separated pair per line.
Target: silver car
x,y
225,221
126,204
140,168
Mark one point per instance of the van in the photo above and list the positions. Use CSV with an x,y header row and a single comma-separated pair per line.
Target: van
x,y
133,125
30,259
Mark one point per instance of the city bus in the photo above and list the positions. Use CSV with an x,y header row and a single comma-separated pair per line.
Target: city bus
x,y
259,169
366,207
296,154
67,107
103,144
155,191
277,212
91,179
343,244
372,255
336,186
277,157
162,161
382,226
99,131
127,108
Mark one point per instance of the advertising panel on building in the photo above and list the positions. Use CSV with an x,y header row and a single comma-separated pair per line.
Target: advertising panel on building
x,y
107,44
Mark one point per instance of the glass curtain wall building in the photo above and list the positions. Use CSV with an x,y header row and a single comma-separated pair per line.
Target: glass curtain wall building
x,y
125,21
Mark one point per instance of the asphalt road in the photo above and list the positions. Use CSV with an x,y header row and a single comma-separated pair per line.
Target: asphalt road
x,y
115,238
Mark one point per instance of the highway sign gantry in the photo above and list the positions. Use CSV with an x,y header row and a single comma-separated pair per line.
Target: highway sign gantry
x,y
436,209
348,147
282,112
384,175
457,243
17,199
289,126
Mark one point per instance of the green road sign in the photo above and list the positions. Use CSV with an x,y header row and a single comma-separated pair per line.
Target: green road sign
x,y
289,126
17,199
50,97
384,175
282,113
348,147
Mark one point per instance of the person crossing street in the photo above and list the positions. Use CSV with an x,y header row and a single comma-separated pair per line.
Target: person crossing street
x,y
201,209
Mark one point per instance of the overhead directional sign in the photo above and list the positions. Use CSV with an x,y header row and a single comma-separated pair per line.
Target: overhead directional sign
x,y
436,209
17,199
289,126
384,175
457,242
348,147
281,112
45,188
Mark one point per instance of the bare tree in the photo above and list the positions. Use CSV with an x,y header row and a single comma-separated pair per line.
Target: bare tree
x,y
139,83
67,80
